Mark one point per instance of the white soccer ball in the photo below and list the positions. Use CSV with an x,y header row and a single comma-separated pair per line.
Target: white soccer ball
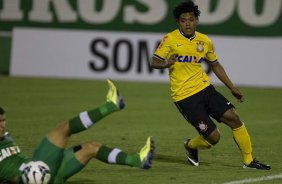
x,y
36,172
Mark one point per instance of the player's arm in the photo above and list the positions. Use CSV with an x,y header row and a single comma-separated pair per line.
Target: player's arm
x,y
160,63
219,71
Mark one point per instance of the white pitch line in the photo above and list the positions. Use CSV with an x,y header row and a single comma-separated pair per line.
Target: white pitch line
x,y
253,180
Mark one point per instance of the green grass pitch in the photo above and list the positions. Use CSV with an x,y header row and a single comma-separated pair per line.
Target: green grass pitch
x,y
35,106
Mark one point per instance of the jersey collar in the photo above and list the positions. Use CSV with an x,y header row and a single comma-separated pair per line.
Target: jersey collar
x,y
2,138
190,38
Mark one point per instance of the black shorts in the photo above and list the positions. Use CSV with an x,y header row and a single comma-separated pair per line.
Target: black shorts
x,y
199,108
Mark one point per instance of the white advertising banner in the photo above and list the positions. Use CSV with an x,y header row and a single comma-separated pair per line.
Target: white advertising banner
x,y
83,54
126,56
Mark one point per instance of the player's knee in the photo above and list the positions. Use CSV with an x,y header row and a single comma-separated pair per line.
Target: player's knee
x,y
92,148
63,127
214,137
86,151
231,118
235,117
59,134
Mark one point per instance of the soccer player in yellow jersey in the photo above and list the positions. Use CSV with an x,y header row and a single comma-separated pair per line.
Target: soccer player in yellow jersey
x,y
182,51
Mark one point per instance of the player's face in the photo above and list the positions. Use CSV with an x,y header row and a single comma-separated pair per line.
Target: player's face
x,y
2,125
188,23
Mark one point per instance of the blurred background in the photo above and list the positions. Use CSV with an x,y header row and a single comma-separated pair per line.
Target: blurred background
x,y
56,54
98,39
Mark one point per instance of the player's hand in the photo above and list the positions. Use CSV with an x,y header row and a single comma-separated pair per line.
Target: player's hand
x,y
172,59
237,94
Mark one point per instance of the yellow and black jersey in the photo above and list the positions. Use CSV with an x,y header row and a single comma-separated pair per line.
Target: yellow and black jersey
x,y
186,75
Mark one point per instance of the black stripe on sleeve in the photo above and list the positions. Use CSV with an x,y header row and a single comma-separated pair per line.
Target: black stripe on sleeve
x,y
159,57
211,61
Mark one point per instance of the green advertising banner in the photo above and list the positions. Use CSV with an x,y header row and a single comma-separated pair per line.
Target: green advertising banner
x,y
218,17
250,18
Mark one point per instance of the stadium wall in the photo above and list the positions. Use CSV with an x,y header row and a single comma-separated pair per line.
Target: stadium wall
x,y
116,38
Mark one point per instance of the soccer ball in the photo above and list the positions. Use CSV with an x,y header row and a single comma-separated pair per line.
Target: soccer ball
x,y
36,172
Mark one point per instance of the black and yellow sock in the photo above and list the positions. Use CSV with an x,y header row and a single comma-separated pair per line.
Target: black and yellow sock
x,y
116,156
243,141
199,142
87,118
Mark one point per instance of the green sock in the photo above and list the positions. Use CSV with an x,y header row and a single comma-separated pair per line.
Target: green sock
x,y
116,156
87,118
133,160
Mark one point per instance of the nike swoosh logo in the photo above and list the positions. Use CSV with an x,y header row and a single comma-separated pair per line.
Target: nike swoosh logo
x,y
228,103
178,45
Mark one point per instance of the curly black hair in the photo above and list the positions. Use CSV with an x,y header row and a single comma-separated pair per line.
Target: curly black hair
x,y
185,7
2,111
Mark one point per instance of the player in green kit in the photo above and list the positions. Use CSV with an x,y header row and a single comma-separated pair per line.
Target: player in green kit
x,y
182,51
65,162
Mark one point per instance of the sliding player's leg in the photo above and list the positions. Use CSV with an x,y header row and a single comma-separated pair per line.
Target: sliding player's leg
x,y
60,135
76,158
51,148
